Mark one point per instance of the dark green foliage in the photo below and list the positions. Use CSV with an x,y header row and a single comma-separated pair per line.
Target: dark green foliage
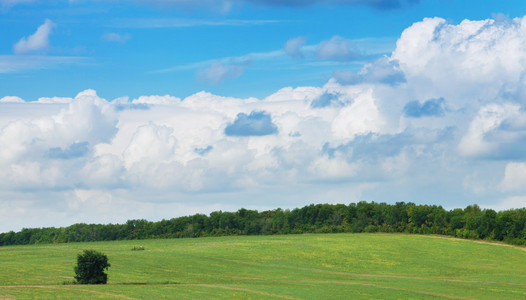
x,y
90,268
472,222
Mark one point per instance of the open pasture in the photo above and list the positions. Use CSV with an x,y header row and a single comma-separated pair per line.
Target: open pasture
x,y
313,266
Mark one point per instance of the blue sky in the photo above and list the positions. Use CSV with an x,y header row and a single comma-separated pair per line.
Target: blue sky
x,y
134,48
113,110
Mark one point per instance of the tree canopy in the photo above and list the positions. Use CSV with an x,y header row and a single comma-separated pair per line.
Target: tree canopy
x,y
471,222
90,268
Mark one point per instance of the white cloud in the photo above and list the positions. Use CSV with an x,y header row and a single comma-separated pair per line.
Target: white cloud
x,y
469,61
104,171
350,140
295,94
359,118
11,99
151,144
37,41
488,120
508,203
90,199
337,168
154,99
514,177
54,100
87,119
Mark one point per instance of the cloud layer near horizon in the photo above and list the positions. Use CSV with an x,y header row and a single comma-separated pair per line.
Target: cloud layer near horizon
x,y
439,121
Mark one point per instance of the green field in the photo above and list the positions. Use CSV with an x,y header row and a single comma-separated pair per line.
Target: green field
x,y
315,266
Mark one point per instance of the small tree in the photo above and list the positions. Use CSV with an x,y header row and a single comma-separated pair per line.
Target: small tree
x,y
90,267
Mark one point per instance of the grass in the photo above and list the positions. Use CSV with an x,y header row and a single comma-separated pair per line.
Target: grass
x,y
316,266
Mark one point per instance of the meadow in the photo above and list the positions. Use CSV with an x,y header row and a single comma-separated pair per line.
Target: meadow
x,y
309,266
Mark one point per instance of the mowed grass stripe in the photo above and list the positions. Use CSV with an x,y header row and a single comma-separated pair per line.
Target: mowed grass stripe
x,y
316,266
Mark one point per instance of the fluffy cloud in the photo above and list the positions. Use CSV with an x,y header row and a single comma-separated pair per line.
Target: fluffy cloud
x,y
363,138
486,135
514,177
360,118
11,99
32,145
150,144
154,99
185,144
54,100
37,41
487,57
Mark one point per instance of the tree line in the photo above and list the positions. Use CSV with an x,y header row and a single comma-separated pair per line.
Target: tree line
x,y
471,222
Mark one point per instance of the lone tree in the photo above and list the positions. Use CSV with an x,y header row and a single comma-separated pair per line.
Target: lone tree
x,y
90,267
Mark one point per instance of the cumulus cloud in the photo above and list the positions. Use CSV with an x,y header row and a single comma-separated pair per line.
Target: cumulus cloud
x,y
11,99
87,120
295,94
359,118
257,123
151,144
37,41
154,99
514,177
486,136
293,47
487,57
462,141
218,71
54,100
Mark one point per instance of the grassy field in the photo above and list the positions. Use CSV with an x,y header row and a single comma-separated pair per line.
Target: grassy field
x,y
317,266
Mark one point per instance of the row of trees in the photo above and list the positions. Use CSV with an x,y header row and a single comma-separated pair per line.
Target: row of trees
x,y
472,222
